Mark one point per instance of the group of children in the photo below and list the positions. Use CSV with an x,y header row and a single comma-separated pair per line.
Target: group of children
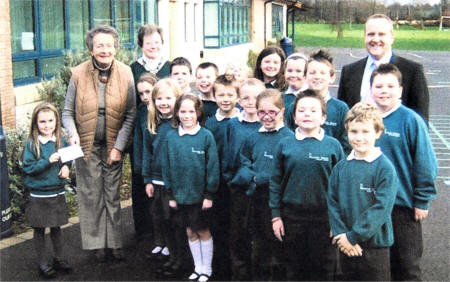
x,y
278,174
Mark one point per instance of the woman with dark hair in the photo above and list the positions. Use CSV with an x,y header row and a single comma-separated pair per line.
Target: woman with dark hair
x,y
98,114
270,67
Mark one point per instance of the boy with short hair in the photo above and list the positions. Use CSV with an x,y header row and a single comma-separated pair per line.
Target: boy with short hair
x,y
298,192
361,196
406,143
319,74
205,75
226,94
237,131
181,71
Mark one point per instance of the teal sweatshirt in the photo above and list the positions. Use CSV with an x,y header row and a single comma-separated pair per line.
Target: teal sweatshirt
x,y
301,171
361,196
190,166
41,176
256,160
235,136
406,143
152,151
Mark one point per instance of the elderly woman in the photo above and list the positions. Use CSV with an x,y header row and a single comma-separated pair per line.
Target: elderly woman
x,y
150,40
99,112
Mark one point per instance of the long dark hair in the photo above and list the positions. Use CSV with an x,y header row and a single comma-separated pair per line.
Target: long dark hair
x,y
280,82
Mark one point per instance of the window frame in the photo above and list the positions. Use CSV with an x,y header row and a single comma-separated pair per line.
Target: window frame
x,y
229,33
39,54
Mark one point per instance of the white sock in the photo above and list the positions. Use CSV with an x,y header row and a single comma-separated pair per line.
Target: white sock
x,y
156,250
207,255
196,252
165,251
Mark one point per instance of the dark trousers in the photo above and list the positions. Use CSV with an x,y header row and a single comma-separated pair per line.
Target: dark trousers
x,y
140,200
406,252
240,239
308,253
159,209
373,265
251,239
220,230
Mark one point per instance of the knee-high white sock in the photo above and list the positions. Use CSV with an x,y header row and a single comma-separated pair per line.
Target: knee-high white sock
x,y
207,255
196,252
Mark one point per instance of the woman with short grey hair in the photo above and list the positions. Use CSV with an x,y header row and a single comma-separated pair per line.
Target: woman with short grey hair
x,y
99,113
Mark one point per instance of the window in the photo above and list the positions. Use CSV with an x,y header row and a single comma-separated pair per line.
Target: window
x,y
277,21
225,22
41,30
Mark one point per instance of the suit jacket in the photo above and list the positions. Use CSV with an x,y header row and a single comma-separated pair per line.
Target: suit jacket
x,y
415,90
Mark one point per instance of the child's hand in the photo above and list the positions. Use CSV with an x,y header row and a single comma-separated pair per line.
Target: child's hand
x,y
420,214
149,190
173,204
278,228
54,158
346,247
64,172
207,204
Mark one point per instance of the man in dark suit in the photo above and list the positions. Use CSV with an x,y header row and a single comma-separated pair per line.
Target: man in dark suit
x,y
354,84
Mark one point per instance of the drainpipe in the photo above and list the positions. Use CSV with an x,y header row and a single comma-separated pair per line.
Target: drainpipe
x,y
265,24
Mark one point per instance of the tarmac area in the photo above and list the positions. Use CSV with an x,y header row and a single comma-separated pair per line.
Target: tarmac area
x,y
17,255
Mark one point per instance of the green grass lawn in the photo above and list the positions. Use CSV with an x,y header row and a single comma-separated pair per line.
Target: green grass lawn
x,y
406,37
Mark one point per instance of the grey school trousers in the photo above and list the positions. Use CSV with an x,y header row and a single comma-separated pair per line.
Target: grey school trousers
x,y
99,200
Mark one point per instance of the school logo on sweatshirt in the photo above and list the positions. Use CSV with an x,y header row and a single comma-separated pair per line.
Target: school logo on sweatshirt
x,y
391,133
366,189
267,155
199,152
330,123
317,158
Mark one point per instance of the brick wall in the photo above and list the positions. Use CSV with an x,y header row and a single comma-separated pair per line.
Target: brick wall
x,y
6,79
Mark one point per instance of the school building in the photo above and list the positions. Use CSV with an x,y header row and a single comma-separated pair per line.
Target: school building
x,y
35,33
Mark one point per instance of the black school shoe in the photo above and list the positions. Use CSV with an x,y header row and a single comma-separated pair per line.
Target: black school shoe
x,y
47,271
61,265
99,255
117,254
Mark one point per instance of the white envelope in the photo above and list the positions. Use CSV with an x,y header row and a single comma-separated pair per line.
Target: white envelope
x,y
70,153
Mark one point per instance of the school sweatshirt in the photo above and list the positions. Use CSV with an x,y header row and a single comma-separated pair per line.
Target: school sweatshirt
x,y
152,151
361,196
41,176
190,166
237,130
301,171
406,143
256,159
